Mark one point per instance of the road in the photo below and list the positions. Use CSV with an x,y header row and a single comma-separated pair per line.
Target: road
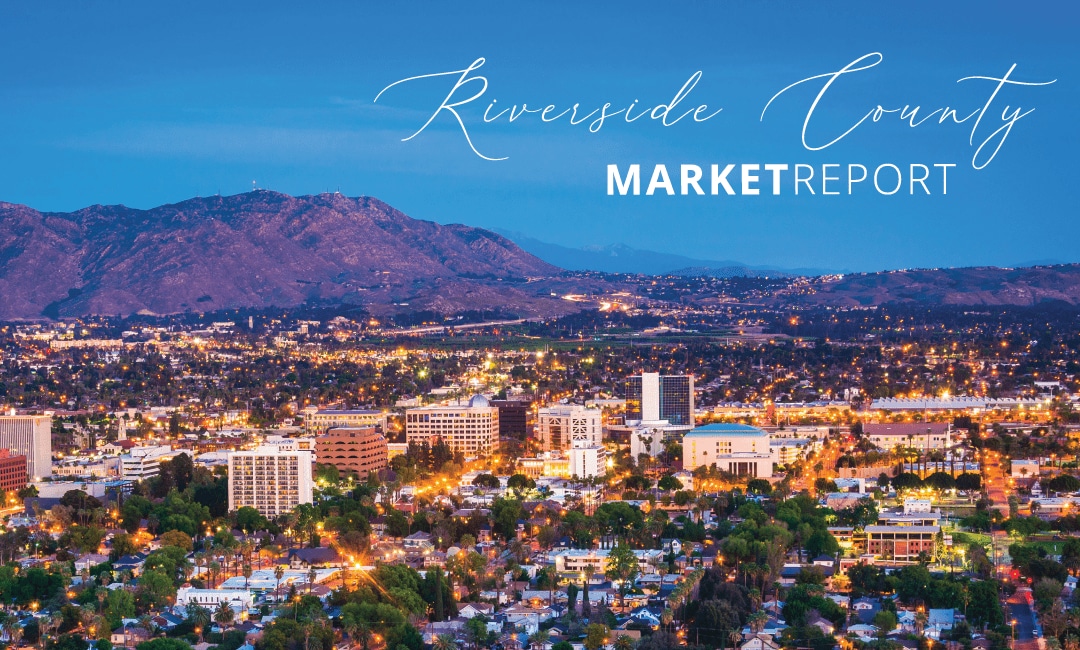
x,y
997,484
1018,610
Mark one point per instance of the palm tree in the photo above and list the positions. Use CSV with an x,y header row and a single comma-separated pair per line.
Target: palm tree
x,y
224,615
538,639
311,574
757,621
444,642
920,622
199,617
279,572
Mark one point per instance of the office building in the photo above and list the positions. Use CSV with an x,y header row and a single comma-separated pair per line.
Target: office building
x,y
471,429
30,436
924,436
13,475
738,449
353,451
559,427
514,417
651,396
141,463
320,420
901,542
587,461
269,479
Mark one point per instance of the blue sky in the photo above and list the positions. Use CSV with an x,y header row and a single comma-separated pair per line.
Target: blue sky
x,y
149,103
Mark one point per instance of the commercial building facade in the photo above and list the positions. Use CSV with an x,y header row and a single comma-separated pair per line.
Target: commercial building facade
x,y
901,542
514,417
13,476
359,451
739,449
561,427
323,419
924,436
30,436
269,479
651,396
471,429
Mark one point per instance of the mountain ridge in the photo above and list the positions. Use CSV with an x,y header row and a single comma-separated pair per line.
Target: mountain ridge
x,y
255,249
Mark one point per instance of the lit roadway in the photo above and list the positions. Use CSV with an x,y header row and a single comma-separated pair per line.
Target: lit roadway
x,y
1022,621
997,483
827,456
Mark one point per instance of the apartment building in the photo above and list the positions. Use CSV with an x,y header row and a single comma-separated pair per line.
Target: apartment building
x,y
270,479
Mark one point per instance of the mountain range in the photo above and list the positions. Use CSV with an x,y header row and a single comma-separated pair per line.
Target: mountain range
x,y
259,249
266,249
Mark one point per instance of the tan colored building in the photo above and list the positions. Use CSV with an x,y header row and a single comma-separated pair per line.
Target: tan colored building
x,y
901,542
471,429
270,479
352,450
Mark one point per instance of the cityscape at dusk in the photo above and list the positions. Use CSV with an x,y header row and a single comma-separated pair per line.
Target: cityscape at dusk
x,y
713,325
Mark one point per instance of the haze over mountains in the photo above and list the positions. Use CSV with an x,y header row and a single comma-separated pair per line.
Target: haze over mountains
x,y
263,249
620,258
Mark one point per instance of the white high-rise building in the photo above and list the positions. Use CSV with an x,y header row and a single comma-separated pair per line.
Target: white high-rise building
x,y
564,426
588,461
472,429
270,479
30,436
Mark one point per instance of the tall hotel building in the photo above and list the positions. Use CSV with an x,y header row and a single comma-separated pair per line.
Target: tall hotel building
x,y
472,429
651,396
560,427
30,436
270,479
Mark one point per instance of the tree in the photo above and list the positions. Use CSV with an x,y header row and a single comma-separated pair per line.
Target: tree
x,y
969,482
520,482
668,482
178,539
596,636
906,481
224,614
444,642
622,567
249,520
940,481
489,481
885,622
758,486
1063,483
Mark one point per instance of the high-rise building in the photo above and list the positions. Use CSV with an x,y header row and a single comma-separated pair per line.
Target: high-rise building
x,y
30,436
471,429
559,427
269,479
513,417
651,396
357,451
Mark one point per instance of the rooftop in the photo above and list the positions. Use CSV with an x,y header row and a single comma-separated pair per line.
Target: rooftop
x,y
718,429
